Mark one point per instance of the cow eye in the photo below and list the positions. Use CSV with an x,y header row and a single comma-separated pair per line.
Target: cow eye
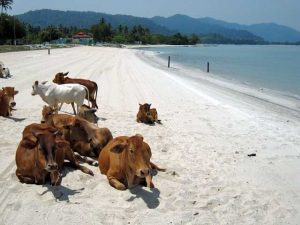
x,y
131,151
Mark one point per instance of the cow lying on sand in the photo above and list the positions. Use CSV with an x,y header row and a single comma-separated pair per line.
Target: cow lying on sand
x,y
86,138
60,78
42,152
4,71
147,115
53,94
7,102
126,162
85,112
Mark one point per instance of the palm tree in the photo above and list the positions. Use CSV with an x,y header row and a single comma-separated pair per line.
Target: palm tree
x,y
5,4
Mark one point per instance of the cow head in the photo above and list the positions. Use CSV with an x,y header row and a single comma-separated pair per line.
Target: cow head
x,y
145,108
47,148
88,113
10,92
137,154
47,114
60,78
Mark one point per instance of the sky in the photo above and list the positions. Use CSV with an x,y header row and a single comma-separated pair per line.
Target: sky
x,y
285,12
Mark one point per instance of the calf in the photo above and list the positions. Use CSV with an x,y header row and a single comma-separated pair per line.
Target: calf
x,y
147,115
7,101
54,94
4,71
126,162
60,78
42,151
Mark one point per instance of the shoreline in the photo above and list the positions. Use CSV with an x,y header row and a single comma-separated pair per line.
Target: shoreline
x,y
276,99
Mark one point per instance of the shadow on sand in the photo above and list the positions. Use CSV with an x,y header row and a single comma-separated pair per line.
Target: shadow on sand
x,y
16,119
60,192
150,197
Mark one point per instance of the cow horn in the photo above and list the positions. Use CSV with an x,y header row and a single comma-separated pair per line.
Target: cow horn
x,y
65,74
36,82
44,82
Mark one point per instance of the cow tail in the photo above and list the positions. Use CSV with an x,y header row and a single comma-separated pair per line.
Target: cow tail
x,y
88,95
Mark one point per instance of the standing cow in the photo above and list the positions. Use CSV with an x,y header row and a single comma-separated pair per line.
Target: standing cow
x,y
53,94
60,78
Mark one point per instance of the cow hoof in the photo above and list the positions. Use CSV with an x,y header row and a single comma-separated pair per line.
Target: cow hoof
x,y
95,163
91,173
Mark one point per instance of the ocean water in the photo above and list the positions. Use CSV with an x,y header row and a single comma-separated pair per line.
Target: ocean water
x,y
274,67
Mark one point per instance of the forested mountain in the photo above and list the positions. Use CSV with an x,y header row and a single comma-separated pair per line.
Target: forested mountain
x,y
256,33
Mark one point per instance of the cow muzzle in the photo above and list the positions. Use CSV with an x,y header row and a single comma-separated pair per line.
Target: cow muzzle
x,y
12,104
50,167
144,172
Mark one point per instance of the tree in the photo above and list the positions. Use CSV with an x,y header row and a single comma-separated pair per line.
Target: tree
x,y
5,4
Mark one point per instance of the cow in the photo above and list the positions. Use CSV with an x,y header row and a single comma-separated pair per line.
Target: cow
x,y
126,162
85,112
85,138
7,102
97,137
147,115
4,71
53,94
42,152
60,78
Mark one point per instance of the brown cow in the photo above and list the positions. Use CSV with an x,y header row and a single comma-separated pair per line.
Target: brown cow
x,y
7,101
126,162
85,138
60,78
97,137
147,115
60,120
42,152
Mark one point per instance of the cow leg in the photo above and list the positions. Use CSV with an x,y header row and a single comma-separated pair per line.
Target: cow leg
x,y
54,177
74,108
69,155
86,160
60,106
115,183
26,180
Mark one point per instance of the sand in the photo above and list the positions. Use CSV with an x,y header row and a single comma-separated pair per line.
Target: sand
x,y
209,128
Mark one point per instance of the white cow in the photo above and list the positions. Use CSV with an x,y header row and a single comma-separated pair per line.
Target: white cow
x,y
53,94
4,71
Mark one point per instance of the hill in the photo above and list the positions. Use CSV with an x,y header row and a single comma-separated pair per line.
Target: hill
x,y
46,17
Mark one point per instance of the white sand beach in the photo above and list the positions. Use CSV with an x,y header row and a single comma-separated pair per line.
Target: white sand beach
x,y
209,128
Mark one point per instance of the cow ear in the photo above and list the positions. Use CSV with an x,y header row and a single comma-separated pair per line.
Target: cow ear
x,y
29,141
36,83
65,74
150,105
92,110
44,82
140,136
119,148
16,92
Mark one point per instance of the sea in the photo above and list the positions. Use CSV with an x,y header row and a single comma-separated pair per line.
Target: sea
x,y
275,67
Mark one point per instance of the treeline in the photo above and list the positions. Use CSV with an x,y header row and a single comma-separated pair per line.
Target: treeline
x,y
102,32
